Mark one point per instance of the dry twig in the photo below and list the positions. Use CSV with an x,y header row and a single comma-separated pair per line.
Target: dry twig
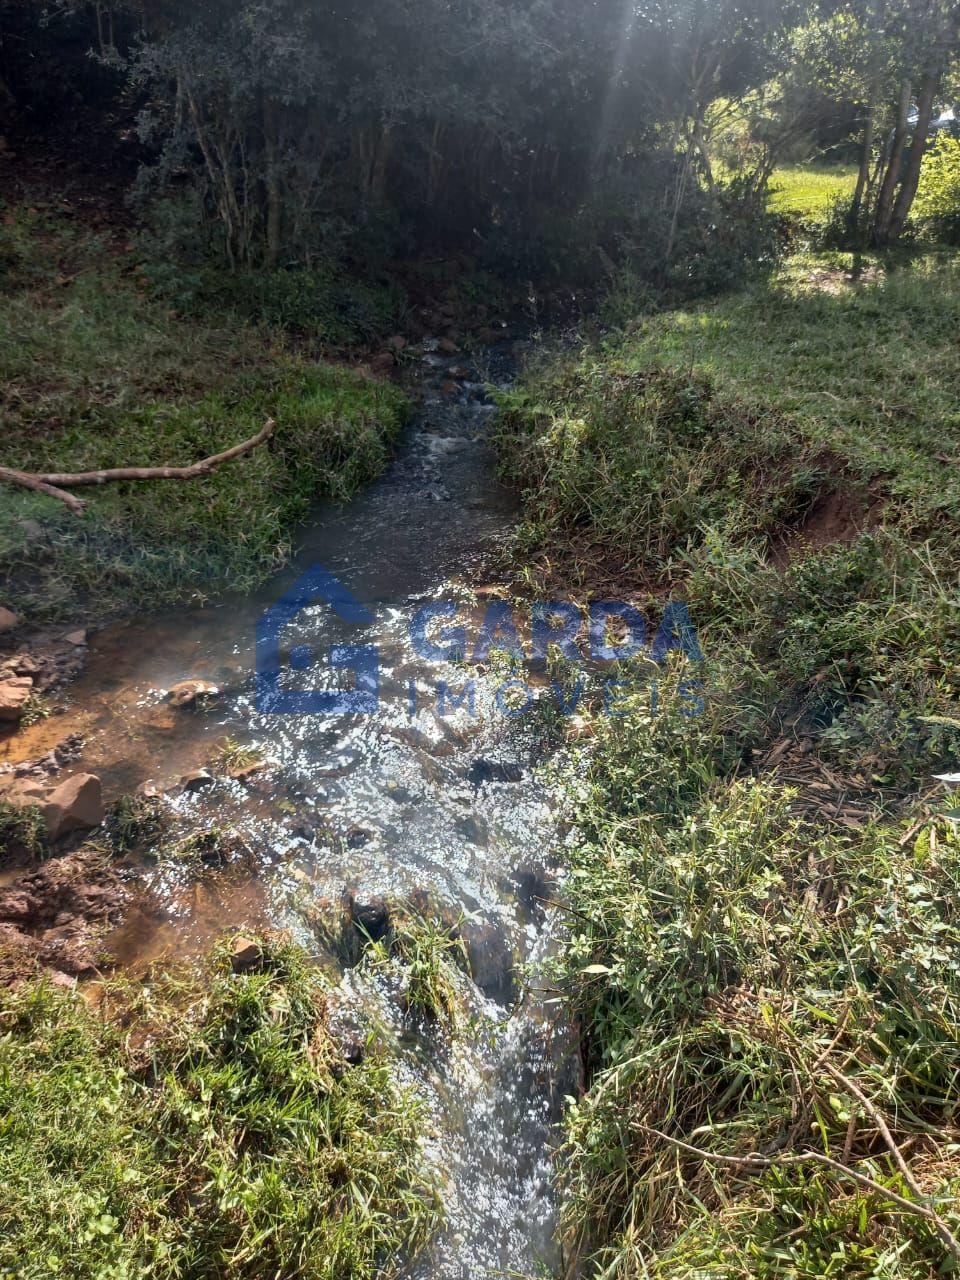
x,y
817,1157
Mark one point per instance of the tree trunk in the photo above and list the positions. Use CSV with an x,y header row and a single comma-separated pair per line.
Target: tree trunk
x,y
870,122
881,226
382,164
911,176
272,182
866,154
929,87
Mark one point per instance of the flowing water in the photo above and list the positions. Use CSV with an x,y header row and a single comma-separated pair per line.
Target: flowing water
x,y
414,802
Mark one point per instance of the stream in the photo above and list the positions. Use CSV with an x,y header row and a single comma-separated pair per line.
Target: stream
x,y
422,800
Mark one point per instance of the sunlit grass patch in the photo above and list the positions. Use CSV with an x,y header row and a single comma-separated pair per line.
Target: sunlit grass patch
x,y
781,459
808,192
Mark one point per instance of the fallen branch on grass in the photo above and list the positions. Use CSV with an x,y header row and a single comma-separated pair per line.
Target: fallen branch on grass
x,y
817,1157
54,485
27,481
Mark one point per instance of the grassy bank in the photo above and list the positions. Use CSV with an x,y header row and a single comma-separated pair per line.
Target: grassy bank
x,y
763,920
204,1128
99,373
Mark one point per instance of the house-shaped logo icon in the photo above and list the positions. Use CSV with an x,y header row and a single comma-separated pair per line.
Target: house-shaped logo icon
x,y
314,586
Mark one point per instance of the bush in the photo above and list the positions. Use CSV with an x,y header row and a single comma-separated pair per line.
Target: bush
x,y
936,208
732,239
839,229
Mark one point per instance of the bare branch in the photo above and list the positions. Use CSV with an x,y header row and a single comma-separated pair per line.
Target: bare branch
x,y
25,481
193,472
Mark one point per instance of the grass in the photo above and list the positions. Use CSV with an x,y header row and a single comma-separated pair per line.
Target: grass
x,y
807,193
137,822
762,930
98,373
22,829
422,955
778,459
426,955
741,973
202,1131
234,756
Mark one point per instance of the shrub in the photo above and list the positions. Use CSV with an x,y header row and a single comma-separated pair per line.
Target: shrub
x,y
937,205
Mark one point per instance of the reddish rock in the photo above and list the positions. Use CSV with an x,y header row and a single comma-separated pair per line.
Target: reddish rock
x,y
396,343
71,949
244,773
22,791
75,805
245,955
187,692
14,692
16,906
56,915
8,620
447,347
76,638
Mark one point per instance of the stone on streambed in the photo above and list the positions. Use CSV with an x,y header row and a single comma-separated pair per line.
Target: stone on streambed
x,y
189,692
14,692
370,916
245,955
198,780
74,805
483,770
247,772
491,960
8,620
